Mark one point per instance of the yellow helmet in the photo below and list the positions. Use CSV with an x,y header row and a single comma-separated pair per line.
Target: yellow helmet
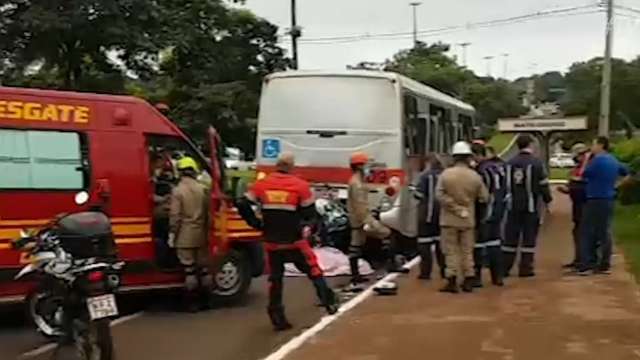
x,y
187,163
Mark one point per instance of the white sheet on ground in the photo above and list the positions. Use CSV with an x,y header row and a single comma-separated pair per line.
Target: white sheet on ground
x,y
333,262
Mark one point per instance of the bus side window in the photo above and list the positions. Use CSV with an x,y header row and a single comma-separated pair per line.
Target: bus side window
x,y
414,127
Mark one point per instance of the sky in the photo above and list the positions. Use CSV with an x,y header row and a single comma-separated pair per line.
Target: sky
x,y
534,46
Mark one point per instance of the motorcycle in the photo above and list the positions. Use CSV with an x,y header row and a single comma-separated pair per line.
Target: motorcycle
x,y
333,226
74,260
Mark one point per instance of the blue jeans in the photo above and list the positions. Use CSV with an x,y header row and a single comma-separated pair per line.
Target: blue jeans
x,y
596,244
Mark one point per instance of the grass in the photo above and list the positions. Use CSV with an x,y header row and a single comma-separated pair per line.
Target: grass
x,y
501,141
626,230
559,173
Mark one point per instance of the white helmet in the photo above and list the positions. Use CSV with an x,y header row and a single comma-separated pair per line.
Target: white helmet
x,y
461,148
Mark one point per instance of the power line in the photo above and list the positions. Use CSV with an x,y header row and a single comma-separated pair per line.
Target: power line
x,y
434,32
569,11
627,8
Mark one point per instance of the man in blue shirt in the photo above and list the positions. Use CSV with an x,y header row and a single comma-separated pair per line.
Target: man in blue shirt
x,y
601,176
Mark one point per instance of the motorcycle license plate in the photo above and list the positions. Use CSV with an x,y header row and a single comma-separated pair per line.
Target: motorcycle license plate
x,y
101,307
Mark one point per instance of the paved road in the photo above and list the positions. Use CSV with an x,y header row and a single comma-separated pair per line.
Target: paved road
x,y
548,317
236,333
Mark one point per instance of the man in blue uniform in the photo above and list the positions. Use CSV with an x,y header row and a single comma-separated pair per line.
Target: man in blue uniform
x,y
527,184
489,230
429,220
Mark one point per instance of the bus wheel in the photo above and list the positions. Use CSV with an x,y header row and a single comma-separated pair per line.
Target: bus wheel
x,y
233,278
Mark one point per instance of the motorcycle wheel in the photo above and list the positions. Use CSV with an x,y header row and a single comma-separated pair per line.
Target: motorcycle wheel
x,y
45,311
92,340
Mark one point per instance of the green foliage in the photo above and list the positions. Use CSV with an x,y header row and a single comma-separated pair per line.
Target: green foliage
x,y
203,58
500,141
583,92
77,45
626,227
627,151
213,71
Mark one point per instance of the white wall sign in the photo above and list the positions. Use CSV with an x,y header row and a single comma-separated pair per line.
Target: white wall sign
x,y
523,125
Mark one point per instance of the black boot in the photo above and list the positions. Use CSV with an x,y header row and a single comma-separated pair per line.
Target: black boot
x,y
278,319
467,285
331,302
356,278
452,286
477,279
326,295
426,261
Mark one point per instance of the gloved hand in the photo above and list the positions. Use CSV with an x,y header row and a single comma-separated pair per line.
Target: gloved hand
x,y
376,214
463,213
172,241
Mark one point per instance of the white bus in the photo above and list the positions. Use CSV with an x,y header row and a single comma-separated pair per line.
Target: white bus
x,y
323,117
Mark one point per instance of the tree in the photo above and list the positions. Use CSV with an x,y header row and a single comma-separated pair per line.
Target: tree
x,y
583,92
214,68
78,45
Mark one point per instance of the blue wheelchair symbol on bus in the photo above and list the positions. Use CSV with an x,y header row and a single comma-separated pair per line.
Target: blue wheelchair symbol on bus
x,y
270,148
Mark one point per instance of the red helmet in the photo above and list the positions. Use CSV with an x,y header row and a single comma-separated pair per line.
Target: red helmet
x,y
359,158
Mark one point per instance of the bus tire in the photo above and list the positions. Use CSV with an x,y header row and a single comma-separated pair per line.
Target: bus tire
x,y
232,278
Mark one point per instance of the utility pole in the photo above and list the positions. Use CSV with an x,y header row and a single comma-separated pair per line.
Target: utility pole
x,y
488,59
605,90
415,5
505,65
464,47
295,33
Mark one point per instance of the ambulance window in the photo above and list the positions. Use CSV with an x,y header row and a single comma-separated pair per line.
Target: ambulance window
x,y
42,160
170,149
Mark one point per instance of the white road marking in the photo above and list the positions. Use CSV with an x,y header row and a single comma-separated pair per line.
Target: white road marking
x,y
49,347
299,340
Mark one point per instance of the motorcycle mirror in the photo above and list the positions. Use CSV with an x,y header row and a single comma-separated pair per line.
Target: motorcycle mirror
x,y
82,198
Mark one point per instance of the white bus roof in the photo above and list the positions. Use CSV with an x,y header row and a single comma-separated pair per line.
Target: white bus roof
x,y
415,86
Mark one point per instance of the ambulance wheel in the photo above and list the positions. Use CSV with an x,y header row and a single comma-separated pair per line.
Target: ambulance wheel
x,y
44,310
233,278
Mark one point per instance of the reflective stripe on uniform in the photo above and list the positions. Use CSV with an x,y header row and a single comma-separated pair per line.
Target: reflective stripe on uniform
x,y
509,249
480,245
528,250
493,243
529,185
428,240
286,207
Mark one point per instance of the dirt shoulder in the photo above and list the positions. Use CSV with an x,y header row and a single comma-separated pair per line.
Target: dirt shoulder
x,y
551,316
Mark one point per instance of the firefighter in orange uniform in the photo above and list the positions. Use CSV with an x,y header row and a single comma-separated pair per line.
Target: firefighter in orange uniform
x,y
288,210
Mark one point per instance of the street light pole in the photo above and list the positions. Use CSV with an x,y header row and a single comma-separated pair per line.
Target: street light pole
x,y
488,59
415,5
505,65
464,47
295,34
605,90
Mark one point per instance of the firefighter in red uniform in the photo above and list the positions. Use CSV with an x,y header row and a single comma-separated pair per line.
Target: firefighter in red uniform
x,y
287,212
